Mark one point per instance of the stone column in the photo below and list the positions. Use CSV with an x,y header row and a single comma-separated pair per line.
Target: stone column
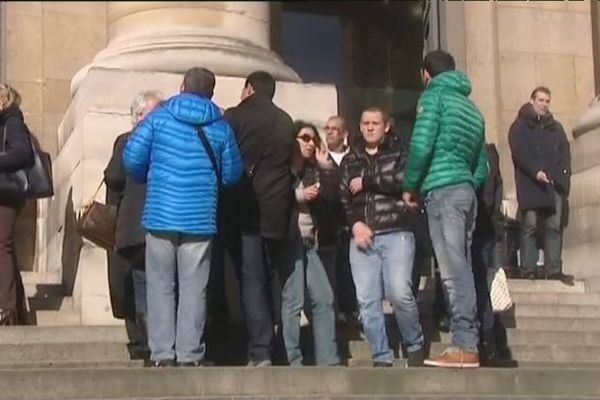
x,y
582,236
230,38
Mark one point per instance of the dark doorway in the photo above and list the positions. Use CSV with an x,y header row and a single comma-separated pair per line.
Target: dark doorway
x,y
371,51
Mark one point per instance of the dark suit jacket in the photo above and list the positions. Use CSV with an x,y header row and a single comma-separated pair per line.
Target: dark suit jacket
x,y
264,203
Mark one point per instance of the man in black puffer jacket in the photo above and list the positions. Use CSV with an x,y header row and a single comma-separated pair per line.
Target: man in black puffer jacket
x,y
382,248
542,160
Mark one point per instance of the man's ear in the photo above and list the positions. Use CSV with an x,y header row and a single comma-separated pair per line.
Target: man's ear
x,y
388,126
182,88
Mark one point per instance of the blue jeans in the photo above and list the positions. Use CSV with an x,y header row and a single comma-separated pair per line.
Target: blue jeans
x,y
451,212
386,269
310,272
551,219
176,318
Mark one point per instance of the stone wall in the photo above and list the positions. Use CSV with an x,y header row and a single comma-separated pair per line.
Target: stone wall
x,y
510,47
45,43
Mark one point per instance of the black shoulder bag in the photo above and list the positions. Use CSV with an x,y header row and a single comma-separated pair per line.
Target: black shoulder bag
x,y
211,153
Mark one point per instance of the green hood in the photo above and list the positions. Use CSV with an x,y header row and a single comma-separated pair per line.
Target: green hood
x,y
456,80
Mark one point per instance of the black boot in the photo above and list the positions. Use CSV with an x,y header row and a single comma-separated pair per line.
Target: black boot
x,y
415,358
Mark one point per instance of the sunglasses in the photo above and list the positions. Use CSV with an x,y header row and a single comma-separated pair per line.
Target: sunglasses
x,y
306,138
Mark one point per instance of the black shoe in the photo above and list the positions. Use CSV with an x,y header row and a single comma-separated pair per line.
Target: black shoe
x,y
8,317
415,358
566,279
259,363
382,364
162,363
190,363
529,275
444,324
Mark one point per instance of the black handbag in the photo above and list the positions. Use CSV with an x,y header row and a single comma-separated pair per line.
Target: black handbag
x,y
40,175
13,185
34,182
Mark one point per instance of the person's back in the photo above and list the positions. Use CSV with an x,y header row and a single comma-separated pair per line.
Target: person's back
x,y
261,206
447,161
449,120
181,181
265,137
183,165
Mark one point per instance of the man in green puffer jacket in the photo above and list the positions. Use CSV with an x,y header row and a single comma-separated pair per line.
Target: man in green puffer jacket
x,y
447,161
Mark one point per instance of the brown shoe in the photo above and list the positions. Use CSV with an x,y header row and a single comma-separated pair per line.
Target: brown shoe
x,y
453,357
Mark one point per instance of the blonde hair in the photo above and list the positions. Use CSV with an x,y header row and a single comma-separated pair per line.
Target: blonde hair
x,y
8,96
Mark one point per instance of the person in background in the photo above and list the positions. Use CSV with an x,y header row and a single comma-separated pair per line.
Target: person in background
x,y
185,151
16,154
542,161
126,267
315,193
336,138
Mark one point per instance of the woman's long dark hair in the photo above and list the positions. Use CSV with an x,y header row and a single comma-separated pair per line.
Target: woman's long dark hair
x,y
297,160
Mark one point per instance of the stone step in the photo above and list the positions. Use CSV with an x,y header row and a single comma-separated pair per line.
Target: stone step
x,y
369,397
555,310
522,286
547,298
556,298
530,353
288,382
58,318
551,323
525,337
426,309
62,334
63,352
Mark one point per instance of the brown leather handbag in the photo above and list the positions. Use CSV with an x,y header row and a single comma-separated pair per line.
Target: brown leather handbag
x,y
98,222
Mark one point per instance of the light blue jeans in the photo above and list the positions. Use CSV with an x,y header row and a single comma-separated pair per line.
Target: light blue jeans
x,y
176,318
386,269
310,273
452,211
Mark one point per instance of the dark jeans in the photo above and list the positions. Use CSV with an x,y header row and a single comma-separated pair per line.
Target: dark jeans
x,y
483,259
254,272
551,220
8,268
342,283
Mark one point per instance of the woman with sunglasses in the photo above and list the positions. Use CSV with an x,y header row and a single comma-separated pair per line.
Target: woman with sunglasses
x,y
315,196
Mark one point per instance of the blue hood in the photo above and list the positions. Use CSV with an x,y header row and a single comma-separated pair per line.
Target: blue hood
x,y
192,109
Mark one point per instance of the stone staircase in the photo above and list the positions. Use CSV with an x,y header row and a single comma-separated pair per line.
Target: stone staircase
x,y
553,333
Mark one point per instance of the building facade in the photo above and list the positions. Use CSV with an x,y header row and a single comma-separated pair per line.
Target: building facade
x,y
78,65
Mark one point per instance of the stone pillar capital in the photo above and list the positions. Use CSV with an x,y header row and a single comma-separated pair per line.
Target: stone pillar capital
x,y
230,38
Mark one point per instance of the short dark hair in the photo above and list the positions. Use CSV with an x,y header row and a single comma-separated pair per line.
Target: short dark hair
x,y
542,89
438,61
262,82
199,81
385,114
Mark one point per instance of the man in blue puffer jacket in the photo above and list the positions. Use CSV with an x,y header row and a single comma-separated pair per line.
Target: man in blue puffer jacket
x,y
180,214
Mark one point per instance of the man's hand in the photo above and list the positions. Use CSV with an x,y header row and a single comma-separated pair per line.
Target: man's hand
x,y
322,156
363,235
356,185
410,201
311,192
542,177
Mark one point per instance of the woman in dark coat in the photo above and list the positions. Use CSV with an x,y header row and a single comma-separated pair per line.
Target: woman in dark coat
x,y
16,154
